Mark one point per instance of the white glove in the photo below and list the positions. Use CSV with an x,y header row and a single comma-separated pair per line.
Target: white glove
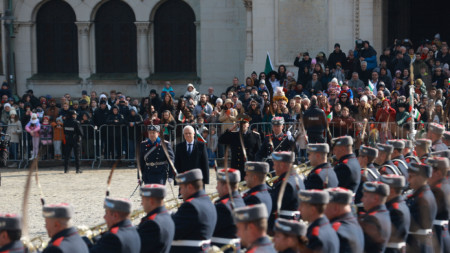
x,y
289,134
170,181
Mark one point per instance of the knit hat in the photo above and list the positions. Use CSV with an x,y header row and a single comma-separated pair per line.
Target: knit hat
x,y
363,98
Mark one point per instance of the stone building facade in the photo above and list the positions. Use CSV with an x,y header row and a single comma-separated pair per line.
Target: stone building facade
x,y
135,45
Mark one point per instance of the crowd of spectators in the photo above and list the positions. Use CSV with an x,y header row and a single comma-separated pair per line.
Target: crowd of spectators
x,y
350,88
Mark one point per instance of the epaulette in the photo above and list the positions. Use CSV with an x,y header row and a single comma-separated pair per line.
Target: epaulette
x,y
336,226
395,205
58,241
152,217
114,230
318,171
315,231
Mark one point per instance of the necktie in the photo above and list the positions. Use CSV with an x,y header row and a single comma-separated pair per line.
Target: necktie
x,y
190,148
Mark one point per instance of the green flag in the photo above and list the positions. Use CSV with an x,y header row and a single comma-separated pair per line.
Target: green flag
x,y
269,66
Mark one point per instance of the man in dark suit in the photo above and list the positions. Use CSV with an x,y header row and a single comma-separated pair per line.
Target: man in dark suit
x,y
211,97
191,154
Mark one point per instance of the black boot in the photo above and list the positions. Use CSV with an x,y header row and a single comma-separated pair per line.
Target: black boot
x,y
79,171
66,170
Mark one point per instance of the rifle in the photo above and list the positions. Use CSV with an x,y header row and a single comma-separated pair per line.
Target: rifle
x,y
171,165
138,163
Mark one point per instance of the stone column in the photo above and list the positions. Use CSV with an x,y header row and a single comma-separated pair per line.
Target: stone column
x,y
83,49
249,29
142,49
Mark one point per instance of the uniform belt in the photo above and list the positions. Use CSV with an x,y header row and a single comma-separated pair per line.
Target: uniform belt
x,y
440,222
421,232
152,164
395,245
289,213
220,240
191,243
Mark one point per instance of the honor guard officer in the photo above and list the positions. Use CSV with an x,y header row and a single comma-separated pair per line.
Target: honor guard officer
x,y
121,236
64,237
435,133
339,212
441,191
73,134
375,221
251,143
322,175
321,236
225,230
195,219
399,213
256,182
10,233
278,141
423,209
315,122
251,223
383,160
347,169
289,235
155,165
446,138
156,229
423,150
369,173
397,156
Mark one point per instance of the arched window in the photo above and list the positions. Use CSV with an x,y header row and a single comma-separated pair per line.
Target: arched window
x,y
57,41
115,38
175,38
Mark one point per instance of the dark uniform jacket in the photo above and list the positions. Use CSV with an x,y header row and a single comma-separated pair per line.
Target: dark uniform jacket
x,y
252,143
72,131
401,164
315,123
14,247
225,226
400,221
121,238
367,175
194,220
197,159
156,231
376,225
441,192
322,237
321,177
280,143
289,200
258,194
348,172
66,241
438,146
154,163
261,245
423,209
351,237
388,168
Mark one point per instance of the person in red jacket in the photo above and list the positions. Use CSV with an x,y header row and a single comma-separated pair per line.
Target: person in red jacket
x,y
386,117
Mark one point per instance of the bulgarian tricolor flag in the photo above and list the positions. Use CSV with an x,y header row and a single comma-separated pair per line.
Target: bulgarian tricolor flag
x,y
199,137
330,116
416,115
371,86
268,66
181,117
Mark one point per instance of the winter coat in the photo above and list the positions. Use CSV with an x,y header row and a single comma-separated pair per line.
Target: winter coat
x,y
228,116
33,130
58,132
46,134
14,130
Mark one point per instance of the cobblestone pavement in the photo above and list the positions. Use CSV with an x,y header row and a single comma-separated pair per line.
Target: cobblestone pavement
x,y
84,191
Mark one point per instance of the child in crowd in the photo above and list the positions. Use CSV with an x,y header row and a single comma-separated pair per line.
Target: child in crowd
x,y
58,137
33,127
14,130
167,89
46,135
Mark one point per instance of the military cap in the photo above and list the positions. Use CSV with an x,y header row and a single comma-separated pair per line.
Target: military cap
x,y
446,135
261,167
153,128
385,148
408,143
153,190
277,121
61,210
376,187
233,174
250,213
117,204
368,151
189,176
424,143
421,169
284,156
342,141
397,144
290,227
10,221
440,163
395,181
314,196
436,128
442,153
319,147
243,118
340,195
